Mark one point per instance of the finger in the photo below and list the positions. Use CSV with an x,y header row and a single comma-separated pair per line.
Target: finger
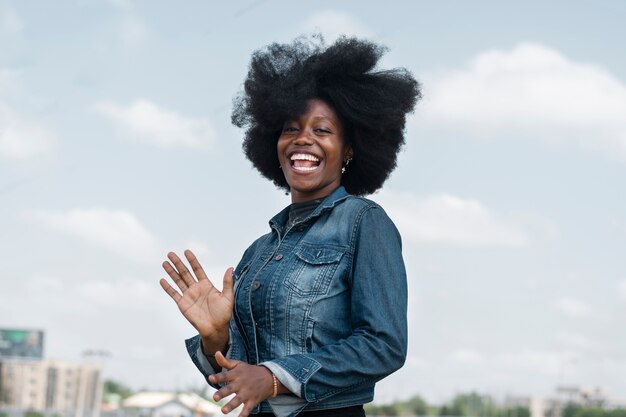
x,y
224,362
232,404
175,276
220,378
227,286
182,269
170,290
223,392
244,412
195,265
247,408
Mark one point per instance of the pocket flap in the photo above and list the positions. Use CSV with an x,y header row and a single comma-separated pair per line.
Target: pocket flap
x,y
319,255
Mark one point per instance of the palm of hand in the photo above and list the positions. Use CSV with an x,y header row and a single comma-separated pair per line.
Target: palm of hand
x,y
205,307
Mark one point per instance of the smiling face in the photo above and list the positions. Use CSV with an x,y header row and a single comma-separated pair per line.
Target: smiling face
x,y
311,152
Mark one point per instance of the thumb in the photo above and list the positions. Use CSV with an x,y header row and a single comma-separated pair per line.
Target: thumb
x,y
225,362
227,285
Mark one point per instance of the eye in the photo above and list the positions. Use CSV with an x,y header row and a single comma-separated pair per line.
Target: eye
x,y
289,129
323,130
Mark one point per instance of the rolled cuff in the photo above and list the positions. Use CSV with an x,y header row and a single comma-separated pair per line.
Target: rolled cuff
x,y
199,359
285,405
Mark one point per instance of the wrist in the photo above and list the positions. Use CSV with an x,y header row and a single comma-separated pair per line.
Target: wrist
x,y
210,346
274,383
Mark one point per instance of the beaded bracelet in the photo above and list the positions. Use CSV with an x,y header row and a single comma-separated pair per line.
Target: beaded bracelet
x,y
275,381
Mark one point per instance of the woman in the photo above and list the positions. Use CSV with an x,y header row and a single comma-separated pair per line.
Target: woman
x,y
314,314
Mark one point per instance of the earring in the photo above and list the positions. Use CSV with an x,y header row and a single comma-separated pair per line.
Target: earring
x,y
346,162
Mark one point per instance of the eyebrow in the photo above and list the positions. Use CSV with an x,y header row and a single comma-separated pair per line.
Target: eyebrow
x,y
324,118
316,118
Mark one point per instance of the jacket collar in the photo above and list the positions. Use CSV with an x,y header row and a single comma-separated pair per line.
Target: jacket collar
x,y
336,197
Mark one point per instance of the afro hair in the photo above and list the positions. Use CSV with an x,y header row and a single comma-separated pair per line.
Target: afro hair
x,y
372,104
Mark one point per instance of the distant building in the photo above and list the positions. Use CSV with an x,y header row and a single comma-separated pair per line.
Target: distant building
x,y
588,397
585,397
67,389
167,404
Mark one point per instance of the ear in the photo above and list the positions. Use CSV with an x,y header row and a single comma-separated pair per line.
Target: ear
x,y
348,154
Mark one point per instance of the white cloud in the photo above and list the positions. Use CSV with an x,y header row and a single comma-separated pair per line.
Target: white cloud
x,y
154,353
10,21
8,80
466,356
534,90
132,31
20,138
576,341
621,287
116,230
416,361
44,284
120,4
146,122
128,294
201,250
333,23
573,307
446,219
540,362
127,29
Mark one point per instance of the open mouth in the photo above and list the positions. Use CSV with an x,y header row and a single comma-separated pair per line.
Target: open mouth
x,y
304,162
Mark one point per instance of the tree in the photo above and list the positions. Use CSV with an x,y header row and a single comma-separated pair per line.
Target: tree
x,y
381,410
472,405
114,387
575,410
570,410
517,411
417,406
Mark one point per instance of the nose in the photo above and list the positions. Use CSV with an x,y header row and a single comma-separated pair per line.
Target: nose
x,y
303,138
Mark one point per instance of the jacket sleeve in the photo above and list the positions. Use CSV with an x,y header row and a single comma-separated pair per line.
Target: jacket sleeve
x,y
377,345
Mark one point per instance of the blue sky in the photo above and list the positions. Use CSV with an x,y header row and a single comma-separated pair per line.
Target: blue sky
x,y
116,146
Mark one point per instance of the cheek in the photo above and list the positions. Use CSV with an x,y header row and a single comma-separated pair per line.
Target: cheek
x,y
280,147
338,154
282,142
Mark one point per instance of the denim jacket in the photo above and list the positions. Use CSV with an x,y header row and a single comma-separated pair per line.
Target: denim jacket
x,y
322,305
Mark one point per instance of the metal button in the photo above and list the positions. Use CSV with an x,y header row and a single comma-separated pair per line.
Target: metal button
x,y
256,285
278,257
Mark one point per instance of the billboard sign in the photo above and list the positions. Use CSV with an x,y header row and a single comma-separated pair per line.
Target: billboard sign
x,y
19,343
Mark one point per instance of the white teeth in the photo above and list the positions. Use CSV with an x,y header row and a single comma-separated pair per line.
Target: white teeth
x,y
305,168
304,157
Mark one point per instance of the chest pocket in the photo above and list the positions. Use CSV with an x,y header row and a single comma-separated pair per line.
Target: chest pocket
x,y
313,269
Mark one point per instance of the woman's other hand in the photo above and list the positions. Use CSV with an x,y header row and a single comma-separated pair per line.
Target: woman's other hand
x,y
251,384
207,309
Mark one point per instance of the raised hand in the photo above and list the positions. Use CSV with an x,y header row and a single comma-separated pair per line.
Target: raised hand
x,y
204,306
251,384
